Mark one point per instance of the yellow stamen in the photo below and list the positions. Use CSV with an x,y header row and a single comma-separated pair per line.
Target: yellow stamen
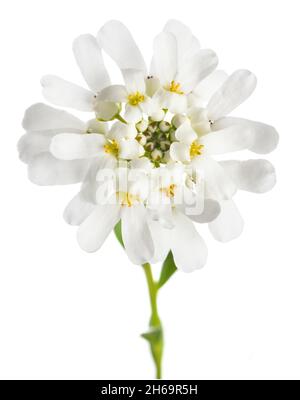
x,y
134,99
127,199
169,191
175,87
112,148
196,149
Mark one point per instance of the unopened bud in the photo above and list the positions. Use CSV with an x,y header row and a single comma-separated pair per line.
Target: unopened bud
x,y
141,139
178,120
164,126
142,125
165,145
156,155
149,147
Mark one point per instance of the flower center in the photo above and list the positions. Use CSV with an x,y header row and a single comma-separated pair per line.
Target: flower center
x,y
156,140
196,149
112,148
134,99
175,87
169,191
126,199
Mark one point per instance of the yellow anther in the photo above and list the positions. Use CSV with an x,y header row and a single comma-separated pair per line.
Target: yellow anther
x,y
112,148
196,149
134,99
127,199
169,191
175,87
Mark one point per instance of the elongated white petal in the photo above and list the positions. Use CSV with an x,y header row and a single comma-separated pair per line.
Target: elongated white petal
x,y
114,93
78,210
229,224
180,152
88,55
106,110
133,114
130,149
208,86
40,117
136,234
256,176
210,212
187,43
227,140
67,94
265,137
234,91
68,146
134,80
185,133
176,103
188,248
45,170
197,68
33,143
217,182
161,240
98,225
165,57
118,43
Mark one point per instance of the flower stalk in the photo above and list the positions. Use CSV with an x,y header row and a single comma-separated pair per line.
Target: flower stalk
x,y
155,334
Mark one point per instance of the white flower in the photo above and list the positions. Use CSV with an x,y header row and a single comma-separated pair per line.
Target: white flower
x,y
122,200
153,166
66,94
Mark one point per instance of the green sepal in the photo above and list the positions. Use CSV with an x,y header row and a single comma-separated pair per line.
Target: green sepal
x,y
118,233
168,269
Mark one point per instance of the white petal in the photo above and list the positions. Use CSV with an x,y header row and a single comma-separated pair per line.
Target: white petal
x,y
143,164
208,86
130,149
133,113
89,59
210,212
235,90
33,143
114,93
256,176
78,210
136,234
96,126
41,117
161,240
176,103
186,134
67,94
134,80
180,152
68,146
229,224
118,43
44,169
265,137
227,140
217,182
119,131
165,57
196,69
188,248
106,110
187,43
98,225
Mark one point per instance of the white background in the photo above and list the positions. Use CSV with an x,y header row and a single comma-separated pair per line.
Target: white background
x,y
67,314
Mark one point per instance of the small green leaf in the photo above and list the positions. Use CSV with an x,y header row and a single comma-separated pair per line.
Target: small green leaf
x,y
118,233
167,271
153,336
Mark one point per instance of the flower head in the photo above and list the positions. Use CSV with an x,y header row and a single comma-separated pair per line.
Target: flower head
x,y
146,155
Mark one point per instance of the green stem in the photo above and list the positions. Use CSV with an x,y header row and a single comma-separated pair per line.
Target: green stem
x,y
121,119
155,335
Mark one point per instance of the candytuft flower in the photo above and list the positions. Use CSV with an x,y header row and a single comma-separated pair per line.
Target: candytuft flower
x,y
149,155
